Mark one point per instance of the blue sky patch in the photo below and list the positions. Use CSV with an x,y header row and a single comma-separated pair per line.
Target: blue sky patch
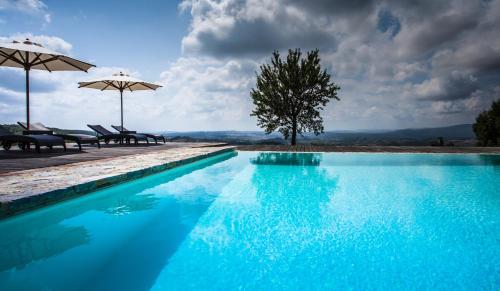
x,y
387,22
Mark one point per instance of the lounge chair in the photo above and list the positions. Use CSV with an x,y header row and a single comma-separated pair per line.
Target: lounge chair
x,y
79,139
107,136
24,141
155,137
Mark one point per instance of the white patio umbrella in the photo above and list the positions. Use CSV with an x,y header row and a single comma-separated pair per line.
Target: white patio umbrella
x,y
120,82
33,56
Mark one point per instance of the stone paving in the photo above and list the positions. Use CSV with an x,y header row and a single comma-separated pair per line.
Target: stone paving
x,y
28,189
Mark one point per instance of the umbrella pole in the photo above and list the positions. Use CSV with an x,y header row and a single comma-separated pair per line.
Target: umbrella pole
x,y
121,107
27,98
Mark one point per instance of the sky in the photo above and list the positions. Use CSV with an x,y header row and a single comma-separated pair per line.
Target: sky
x,y
399,63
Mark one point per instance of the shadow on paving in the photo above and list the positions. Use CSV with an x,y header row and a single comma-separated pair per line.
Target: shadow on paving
x,y
17,160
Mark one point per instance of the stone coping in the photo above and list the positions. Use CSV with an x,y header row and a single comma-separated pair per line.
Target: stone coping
x,y
26,190
371,149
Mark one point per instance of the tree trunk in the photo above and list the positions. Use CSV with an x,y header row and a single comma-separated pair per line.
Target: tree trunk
x,y
294,132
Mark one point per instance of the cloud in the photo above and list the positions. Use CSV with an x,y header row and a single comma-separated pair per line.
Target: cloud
x,y
56,99
401,63
34,7
437,31
211,94
13,79
456,86
335,7
251,28
51,42
478,101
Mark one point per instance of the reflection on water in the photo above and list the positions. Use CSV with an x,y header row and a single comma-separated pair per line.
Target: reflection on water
x,y
132,228
255,233
44,234
410,160
21,248
274,185
288,159
124,205
490,160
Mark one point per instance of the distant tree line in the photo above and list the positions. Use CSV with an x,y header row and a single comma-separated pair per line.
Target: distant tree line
x,y
487,126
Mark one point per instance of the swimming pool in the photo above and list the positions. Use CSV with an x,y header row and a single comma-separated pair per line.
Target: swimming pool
x,y
264,221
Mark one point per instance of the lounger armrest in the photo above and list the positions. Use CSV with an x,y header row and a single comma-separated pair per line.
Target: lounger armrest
x,y
28,132
128,131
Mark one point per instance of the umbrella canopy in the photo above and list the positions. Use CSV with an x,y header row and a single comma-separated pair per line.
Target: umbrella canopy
x,y
33,56
120,82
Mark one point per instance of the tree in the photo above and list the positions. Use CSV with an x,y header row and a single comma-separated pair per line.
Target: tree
x,y
290,94
487,126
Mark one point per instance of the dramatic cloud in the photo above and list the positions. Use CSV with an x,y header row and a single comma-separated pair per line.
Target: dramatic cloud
x,y
251,28
399,63
456,86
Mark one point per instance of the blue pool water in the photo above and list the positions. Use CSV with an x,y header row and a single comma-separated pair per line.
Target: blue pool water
x,y
271,221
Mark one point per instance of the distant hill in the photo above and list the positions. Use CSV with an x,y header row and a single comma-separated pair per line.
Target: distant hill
x,y
461,134
412,136
231,136
461,131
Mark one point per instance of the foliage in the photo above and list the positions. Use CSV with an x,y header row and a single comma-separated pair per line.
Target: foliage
x,y
290,94
13,128
487,126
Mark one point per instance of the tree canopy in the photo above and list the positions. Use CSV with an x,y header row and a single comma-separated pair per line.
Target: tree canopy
x,y
291,93
487,126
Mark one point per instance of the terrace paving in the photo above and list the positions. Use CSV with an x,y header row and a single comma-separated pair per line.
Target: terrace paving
x,y
28,189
